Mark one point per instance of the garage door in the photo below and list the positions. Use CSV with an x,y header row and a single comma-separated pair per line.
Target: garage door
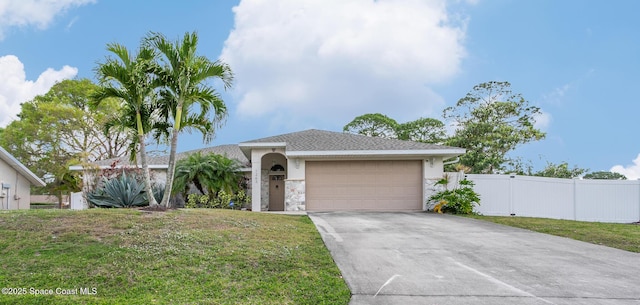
x,y
363,185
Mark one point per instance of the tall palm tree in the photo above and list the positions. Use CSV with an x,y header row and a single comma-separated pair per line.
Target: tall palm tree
x,y
188,101
132,80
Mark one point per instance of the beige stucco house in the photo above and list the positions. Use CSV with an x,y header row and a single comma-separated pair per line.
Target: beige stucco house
x,y
317,170
15,183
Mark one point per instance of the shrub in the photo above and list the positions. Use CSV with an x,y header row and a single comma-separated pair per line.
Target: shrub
x,y
192,201
242,200
121,192
222,200
460,200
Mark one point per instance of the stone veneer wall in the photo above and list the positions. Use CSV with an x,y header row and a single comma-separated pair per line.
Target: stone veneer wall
x,y
294,195
264,190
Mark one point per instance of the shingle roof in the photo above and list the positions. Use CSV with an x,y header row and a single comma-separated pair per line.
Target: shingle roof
x,y
312,140
231,151
322,140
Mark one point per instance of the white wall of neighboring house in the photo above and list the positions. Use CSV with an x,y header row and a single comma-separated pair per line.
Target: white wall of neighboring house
x,y
91,179
19,192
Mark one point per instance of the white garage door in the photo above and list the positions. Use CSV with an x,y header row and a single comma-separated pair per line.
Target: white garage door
x,y
363,185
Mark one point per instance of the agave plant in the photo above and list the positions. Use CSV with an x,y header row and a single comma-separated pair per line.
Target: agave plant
x,y
158,191
122,192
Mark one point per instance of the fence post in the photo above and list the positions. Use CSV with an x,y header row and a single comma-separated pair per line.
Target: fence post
x,y
511,177
575,203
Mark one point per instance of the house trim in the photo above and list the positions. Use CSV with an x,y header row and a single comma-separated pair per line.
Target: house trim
x,y
15,164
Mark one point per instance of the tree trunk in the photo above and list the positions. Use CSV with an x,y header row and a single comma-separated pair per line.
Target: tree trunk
x,y
172,156
198,185
145,166
168,188
146,173
85,186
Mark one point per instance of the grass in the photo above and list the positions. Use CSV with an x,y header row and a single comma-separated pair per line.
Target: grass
x,y
175,257
615,235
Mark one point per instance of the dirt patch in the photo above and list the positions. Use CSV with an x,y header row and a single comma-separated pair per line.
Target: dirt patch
x,y
154,208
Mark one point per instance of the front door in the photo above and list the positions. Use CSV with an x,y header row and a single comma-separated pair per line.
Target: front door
x,y
276,193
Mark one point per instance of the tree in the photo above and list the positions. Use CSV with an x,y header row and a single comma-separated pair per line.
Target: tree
x,y
373,125
184,75
561,170
519,167
491,121
605,176
227,175
426,130
196,169
62,128
131,79
208,173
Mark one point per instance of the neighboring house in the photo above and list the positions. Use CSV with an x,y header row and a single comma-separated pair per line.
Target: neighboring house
x,y
15,183
158,164
316,170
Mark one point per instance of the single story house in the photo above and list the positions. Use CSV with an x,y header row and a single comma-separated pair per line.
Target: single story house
x,y
15,183
317,170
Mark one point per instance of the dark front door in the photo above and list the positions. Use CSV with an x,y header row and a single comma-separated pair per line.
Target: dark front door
x,y
276,193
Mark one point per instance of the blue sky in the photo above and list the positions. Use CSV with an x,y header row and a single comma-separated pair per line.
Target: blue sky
x,y
318,64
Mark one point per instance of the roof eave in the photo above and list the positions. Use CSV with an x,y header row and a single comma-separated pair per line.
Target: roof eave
x,y
448,153
246,147
15,164
80,167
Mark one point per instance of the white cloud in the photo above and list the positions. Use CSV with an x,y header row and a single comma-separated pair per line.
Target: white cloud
x,y
71,23
329,61
542,120
15,89
632,171
559,94
37,13
556,96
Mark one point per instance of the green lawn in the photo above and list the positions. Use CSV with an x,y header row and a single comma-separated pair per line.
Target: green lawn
x,y
615,235
175,257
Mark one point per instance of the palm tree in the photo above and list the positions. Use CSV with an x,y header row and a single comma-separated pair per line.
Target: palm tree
x,y
227,175
197,169
184,75
131,79
208,173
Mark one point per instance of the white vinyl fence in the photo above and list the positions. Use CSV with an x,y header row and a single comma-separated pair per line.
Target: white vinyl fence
x,y
575,199
76,201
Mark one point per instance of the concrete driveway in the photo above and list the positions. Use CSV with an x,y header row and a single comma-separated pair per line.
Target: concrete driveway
x,y
420,258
